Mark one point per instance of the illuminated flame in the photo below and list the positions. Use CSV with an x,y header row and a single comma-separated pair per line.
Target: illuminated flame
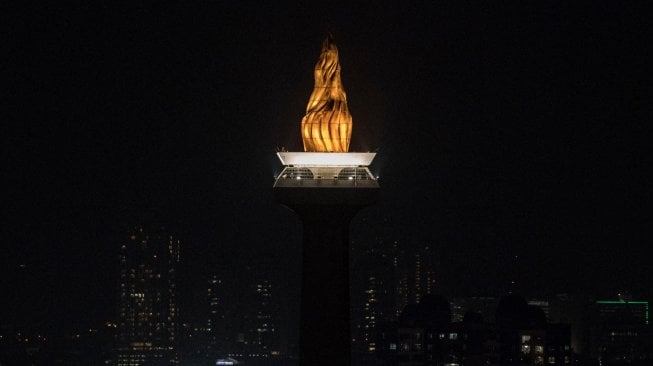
x,y
326,127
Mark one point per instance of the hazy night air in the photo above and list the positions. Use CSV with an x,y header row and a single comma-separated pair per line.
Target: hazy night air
x,y
509,139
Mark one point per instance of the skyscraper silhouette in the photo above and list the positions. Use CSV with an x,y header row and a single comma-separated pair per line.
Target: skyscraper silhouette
x,y
147,299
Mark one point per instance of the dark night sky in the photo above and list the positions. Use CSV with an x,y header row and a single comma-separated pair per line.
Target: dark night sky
x,y
501,130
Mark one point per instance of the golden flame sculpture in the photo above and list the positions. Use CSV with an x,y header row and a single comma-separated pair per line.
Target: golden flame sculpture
x,y
326,127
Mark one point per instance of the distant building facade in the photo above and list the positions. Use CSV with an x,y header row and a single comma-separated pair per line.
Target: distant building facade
x,y
243,320
147,299
416,276
619,333
219,338
387,277
264,332
372,295
520,335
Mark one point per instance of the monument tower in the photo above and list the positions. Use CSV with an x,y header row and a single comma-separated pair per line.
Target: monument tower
x,y
326,185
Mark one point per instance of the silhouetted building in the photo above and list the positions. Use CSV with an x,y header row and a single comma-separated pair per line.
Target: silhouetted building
x,y
264,333
542,304
558,345
619,332
526,338
567,309
372,295
420,329
387,342
522,331
147,300
520,336
217,326
416,275
486,306
243,319
370,314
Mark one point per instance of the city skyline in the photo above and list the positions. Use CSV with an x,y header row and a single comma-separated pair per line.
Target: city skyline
x,y
522,122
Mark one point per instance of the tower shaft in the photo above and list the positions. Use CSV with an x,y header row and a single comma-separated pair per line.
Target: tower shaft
x,y
324,316
326,208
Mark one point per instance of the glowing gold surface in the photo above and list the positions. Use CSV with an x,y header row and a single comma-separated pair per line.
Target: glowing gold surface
x,y
326,127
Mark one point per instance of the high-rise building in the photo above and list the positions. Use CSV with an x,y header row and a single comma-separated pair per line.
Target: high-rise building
x,y
216,325
619,331
372,293
147,298
243,319
416,276
484,306
264,332
370,314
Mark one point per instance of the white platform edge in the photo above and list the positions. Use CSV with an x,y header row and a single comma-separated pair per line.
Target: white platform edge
x,y
325,158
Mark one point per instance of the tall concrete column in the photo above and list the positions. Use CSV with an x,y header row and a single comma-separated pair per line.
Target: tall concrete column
x,y
326,216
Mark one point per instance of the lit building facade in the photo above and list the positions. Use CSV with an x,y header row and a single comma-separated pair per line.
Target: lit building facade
x,y
373,299
486,306
216,325
425,335
619,331
243,315
147,299
370,314
264,332
416,276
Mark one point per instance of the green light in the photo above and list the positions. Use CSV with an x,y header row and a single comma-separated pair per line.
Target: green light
x,y
628,302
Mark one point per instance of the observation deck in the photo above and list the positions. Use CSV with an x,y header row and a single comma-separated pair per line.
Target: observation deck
x,y
326,170
340,178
